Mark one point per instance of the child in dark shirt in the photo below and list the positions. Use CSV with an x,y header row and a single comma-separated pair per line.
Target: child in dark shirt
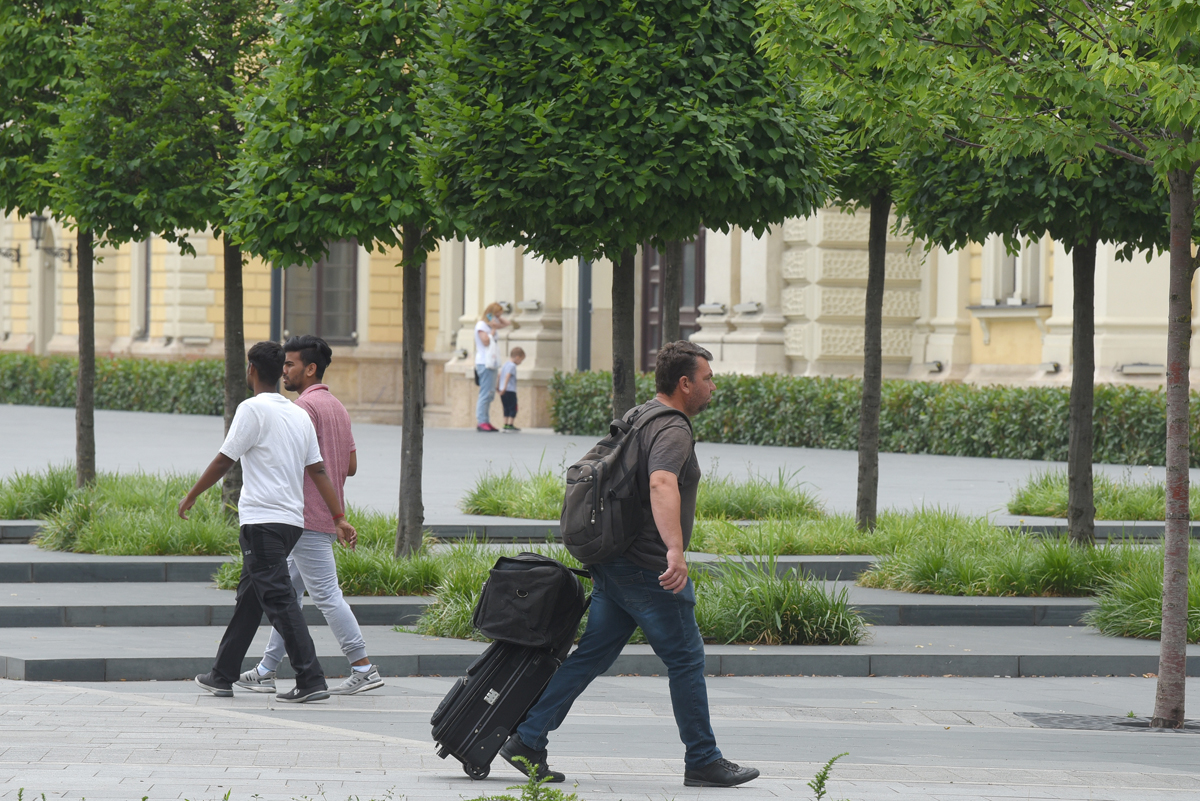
x,y
508,387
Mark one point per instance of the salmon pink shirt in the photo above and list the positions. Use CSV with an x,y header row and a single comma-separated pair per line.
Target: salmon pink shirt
x,y
332,423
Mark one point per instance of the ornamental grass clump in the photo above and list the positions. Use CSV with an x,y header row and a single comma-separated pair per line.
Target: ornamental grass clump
x,y
36,496
1044,494
1131,603
997,562
135,515
539,496
370,569
829,536
744,604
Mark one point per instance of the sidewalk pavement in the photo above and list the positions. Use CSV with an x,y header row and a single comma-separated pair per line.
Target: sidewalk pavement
x,y
961,739
454,458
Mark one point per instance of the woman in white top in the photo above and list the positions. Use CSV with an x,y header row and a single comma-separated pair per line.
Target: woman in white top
x,y
487,362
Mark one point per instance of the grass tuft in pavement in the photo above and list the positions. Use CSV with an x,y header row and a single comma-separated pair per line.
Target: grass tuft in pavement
x,y
1044,494
36,496
539,496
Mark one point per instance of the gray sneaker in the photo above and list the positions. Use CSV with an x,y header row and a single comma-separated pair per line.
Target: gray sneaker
x,y
358,682
252,681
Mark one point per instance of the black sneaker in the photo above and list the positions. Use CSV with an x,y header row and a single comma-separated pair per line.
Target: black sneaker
x,y
721,773
301,695
537,760
215,686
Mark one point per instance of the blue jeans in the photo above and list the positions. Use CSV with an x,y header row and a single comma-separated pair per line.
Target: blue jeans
x,y
625,596
487,391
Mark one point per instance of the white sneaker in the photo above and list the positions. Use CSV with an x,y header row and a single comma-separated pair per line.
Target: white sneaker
x,y
358,682
252,681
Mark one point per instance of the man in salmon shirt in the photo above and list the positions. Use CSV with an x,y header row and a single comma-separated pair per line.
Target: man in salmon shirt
x,y
311,562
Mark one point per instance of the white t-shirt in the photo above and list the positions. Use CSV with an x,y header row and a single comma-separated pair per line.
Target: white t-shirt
x,y
481,350
275,440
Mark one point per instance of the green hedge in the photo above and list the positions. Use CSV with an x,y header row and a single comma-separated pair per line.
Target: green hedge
x,y
132,385
917,417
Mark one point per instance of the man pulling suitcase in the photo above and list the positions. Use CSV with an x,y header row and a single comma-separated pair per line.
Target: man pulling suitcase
x,y
647,583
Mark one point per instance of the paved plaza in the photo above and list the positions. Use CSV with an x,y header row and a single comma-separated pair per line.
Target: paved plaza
x,y
940,738
906,736
33,437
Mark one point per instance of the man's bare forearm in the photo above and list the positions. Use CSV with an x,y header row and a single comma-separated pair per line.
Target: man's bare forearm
x,y
215,471
665,504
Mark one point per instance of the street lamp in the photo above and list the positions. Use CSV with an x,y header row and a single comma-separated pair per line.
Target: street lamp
x,y
37,229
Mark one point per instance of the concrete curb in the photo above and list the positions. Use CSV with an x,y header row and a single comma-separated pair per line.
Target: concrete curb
x,y
761,663
19,531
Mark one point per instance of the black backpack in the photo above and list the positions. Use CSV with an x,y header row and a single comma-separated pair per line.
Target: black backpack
x,y
602,505
531,600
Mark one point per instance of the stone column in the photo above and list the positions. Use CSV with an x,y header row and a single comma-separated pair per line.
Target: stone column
x,y
538,330
756,345
948,341
722,291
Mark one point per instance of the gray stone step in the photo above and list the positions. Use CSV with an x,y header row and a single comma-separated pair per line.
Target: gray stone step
x,y
1107,530
134,654
156,605
195,604
29,563
19,531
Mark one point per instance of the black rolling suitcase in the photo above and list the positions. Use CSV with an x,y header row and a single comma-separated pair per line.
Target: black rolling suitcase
x,y
531,606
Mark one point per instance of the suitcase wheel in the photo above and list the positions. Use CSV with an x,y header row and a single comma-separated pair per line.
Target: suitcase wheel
x,y
477,773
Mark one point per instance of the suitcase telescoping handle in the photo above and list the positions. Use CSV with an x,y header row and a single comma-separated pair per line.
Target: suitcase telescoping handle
x,y
581,572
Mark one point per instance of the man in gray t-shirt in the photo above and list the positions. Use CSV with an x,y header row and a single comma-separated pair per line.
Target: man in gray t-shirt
x,y
648,587
666,445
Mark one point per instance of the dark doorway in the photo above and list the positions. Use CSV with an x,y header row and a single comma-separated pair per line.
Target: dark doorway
x,y
653,307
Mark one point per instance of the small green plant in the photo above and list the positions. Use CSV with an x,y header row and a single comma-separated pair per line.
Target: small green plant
x,y
1131,715
36,495
534,789
818,782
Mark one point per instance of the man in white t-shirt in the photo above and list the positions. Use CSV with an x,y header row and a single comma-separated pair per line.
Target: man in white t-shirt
x,y
277,444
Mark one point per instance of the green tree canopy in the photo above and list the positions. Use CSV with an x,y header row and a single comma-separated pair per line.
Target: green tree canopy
x,y
950,196
148,135
587,128
330,135
37,62
330,155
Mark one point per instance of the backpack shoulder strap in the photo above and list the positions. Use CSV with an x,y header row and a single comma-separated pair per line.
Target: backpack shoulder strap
x,y
637,418
645,417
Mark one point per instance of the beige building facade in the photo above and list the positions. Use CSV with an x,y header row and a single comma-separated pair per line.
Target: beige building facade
x,y
790,301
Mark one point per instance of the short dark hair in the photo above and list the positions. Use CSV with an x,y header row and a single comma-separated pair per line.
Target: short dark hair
x,y
675,360
267,358
312,350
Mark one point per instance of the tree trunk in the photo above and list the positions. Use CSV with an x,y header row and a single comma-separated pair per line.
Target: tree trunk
x,y
1169,698
872,384
85,386
235,364
412,435
1081,509
624,358
672,289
